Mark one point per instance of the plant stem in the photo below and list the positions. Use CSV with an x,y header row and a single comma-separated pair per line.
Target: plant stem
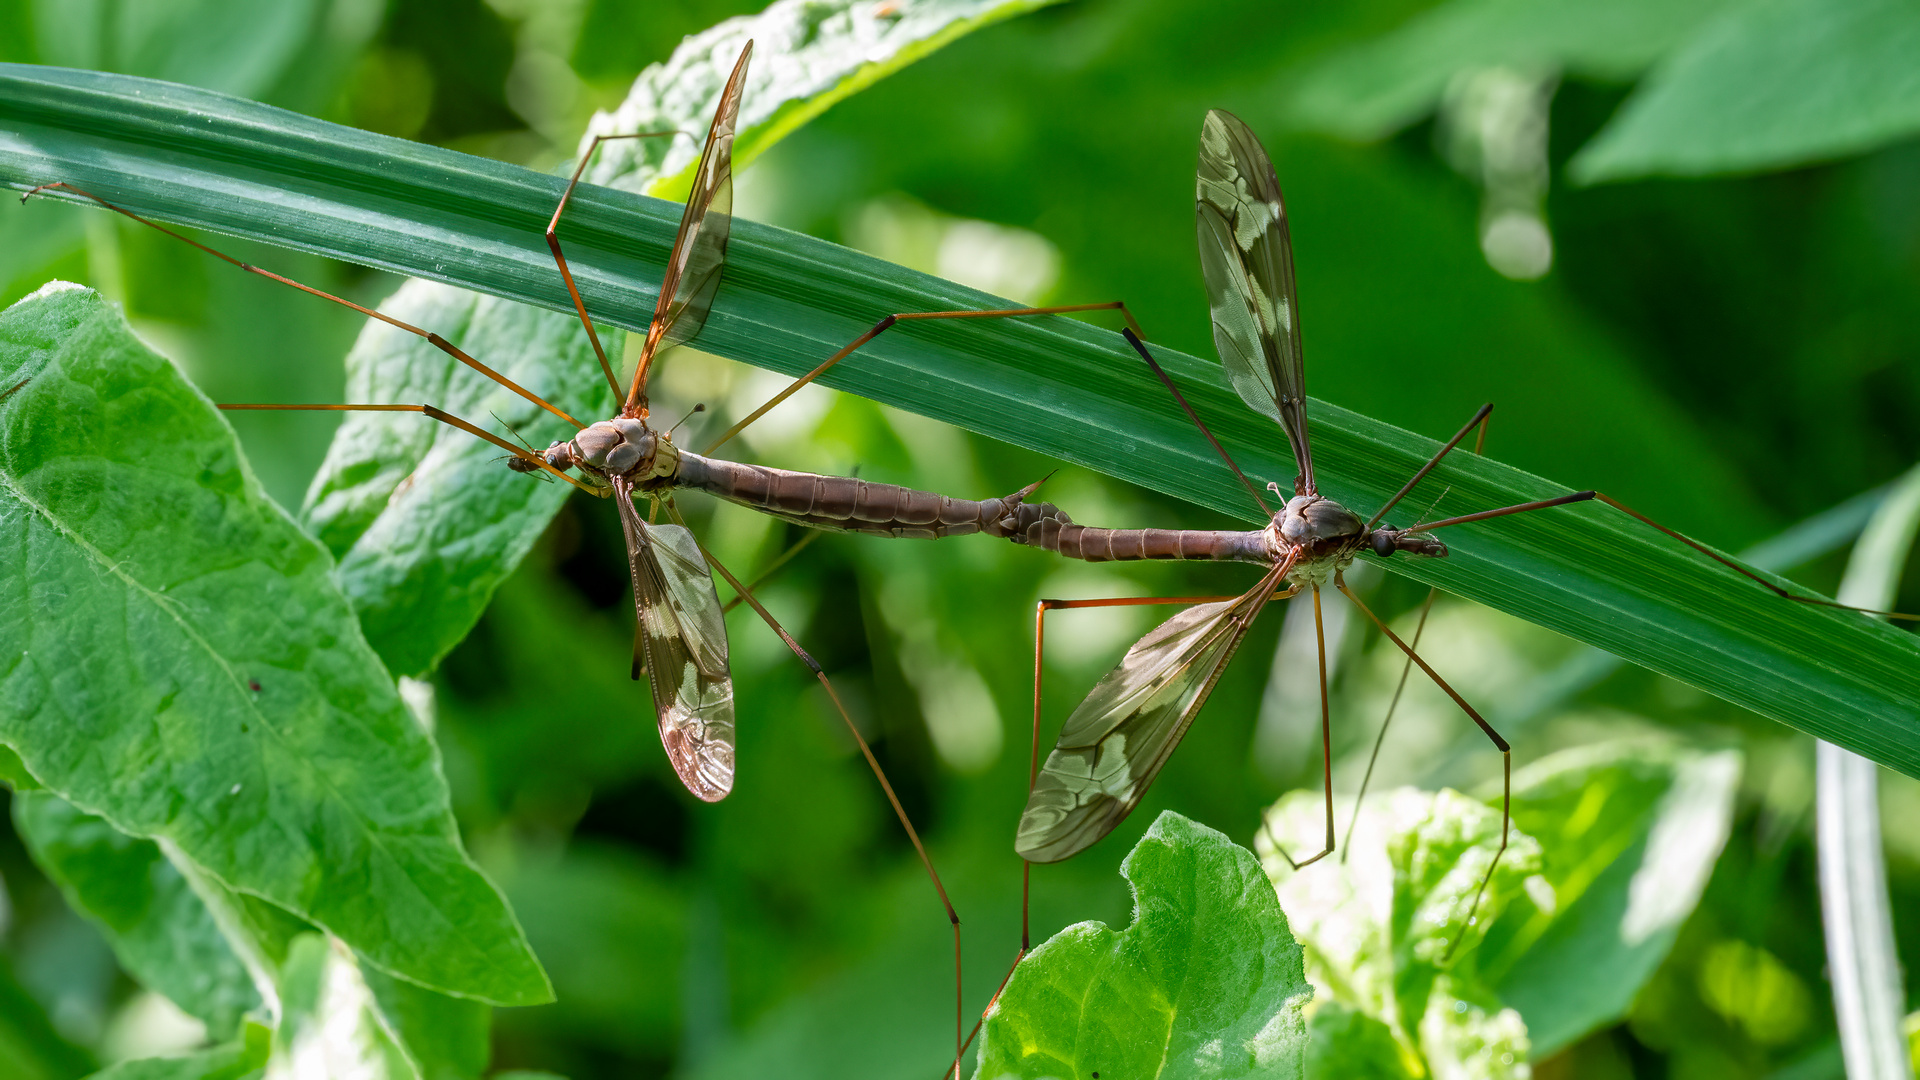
x,y
1868,1001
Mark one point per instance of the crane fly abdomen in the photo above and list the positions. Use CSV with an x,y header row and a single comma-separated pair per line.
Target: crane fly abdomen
x,y
1048,528
844,504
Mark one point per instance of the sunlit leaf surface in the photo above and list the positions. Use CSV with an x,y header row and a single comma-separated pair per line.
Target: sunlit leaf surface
x,y
207,684
1206,982
1387,933
809,55
1630,832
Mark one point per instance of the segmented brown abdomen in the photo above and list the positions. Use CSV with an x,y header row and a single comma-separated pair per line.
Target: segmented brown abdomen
x,y
844,504
1046,526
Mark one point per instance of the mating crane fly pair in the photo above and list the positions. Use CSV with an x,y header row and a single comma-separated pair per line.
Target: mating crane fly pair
x,y
1115,743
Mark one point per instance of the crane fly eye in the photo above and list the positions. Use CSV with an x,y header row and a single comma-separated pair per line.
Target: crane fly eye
x,y
1383,545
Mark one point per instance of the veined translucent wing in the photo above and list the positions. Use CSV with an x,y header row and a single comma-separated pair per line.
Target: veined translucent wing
x,y
700,247
685,639
1247,261
1115,742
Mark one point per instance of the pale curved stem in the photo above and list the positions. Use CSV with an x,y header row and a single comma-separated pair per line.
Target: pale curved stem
x,y
1862,963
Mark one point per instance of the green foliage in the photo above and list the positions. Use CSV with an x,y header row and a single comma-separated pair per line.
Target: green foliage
x,y
1374,88
1728,356
1735,86
809,56
1206,982
162,933
216,692
1769,85
1610,854
232,1061
1388,935
1630,831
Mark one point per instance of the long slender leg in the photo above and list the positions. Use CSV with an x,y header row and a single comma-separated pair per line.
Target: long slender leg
x,y
560,260
1167,380
890,321
1373,758
774,567
1582,496
1479,420
880,774
1506,751
1326,747
532,459
433,339
1033,760
1819,601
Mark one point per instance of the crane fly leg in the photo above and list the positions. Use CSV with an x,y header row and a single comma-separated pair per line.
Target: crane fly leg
x,y
430,412
433,339
1481,420
1033,761
1506,750
1326,749
889,322
873,763
560,260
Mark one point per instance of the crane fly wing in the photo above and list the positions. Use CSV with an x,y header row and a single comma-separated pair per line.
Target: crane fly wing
x,y
1115,742
1247,261
700,247
685,642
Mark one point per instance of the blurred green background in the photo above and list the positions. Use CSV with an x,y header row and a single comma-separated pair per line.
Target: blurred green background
x,y
1732,355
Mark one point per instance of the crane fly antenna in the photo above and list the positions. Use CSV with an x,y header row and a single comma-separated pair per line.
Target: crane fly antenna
x,y
691,413
513,431
1141,348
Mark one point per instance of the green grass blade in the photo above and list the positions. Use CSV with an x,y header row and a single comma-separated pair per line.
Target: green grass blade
x,y
1055,386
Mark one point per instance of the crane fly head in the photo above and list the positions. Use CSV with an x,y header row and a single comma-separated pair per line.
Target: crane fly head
x,y
1386,540
620,447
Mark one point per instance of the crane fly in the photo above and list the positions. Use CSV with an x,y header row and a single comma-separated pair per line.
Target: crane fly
x,y
1116,741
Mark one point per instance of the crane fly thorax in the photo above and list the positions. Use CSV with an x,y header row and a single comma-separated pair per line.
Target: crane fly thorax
x,y
622,447
1318,527
1325,535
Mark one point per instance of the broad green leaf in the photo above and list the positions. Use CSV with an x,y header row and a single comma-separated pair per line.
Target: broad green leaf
x,y
1631,831
207,684
1207,982
13,772
1344,1042
1386,931
1769,85
1373,89
161,932
1054,385
424,518
808,56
